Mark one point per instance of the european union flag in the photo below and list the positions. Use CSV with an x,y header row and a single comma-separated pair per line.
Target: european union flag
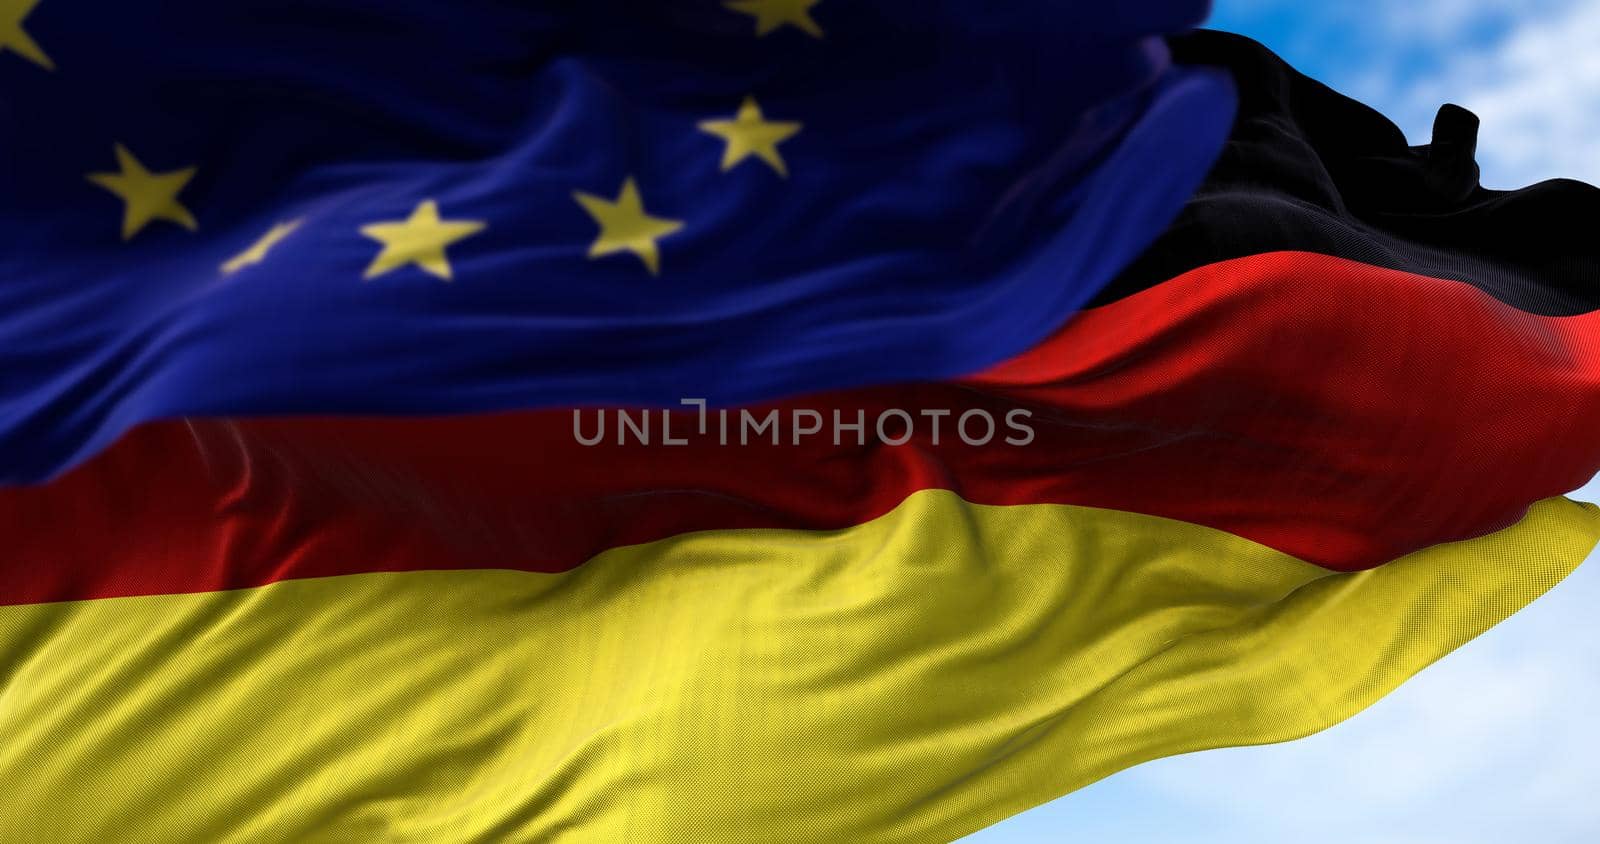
x,y
405,207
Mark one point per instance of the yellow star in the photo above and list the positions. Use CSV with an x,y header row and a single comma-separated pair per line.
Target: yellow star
x,y
148,196
772,14
419,239
14,38
625,227
750,133
258,250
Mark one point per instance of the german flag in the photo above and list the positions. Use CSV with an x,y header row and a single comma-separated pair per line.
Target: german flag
x,y
1312,442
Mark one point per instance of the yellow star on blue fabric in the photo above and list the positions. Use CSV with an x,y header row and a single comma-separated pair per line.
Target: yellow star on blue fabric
x,y
772,15
420,239
146,196
625,227
750,133
16,39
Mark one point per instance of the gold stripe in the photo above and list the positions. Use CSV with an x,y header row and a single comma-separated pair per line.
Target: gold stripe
x,y
910,679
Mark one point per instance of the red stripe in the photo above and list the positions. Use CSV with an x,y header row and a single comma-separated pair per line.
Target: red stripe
x,y
1341,413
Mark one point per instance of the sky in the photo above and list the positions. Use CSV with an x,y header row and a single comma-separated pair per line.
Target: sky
x,y
1497,742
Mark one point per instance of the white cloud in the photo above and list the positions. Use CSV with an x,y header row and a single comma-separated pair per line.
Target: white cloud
x,y
1530,69
1446,23
1537,90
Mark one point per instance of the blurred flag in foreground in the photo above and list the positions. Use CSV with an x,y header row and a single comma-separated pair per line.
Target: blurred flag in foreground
x,y
1311,443
411,207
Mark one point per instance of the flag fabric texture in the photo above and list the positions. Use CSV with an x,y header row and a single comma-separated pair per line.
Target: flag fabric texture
x,y
909,679
1309,170
411,208
1310,442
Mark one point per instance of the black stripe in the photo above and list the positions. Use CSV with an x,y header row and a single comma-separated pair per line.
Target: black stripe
x,y
1309,169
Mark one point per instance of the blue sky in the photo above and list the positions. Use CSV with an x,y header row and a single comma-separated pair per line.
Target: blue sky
x,y
1498,742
